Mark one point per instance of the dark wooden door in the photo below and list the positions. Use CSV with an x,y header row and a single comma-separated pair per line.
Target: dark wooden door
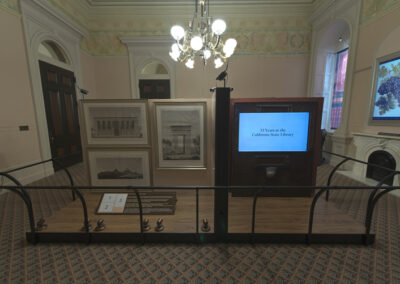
x,y
61,113
154,89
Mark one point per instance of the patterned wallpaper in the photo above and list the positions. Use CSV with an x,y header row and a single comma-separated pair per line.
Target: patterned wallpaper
x,y
269,35
372,9
10,5
272,35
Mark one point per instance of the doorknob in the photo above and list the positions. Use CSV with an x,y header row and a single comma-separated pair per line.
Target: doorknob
x,y
52,139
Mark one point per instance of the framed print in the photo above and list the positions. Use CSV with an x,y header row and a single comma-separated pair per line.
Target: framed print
x,y
385,97
180,134
116,122
119,167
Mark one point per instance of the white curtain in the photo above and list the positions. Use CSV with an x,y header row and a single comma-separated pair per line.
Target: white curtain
x,y
329,80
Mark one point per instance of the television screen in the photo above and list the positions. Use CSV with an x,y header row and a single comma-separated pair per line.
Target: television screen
x,y
273,132
386,105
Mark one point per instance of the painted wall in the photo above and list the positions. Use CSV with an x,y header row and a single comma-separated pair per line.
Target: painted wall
x,y
376,38
106,77
249,76
16,107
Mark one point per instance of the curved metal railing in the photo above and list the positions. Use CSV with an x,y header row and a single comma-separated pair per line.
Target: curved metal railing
x,y
20,190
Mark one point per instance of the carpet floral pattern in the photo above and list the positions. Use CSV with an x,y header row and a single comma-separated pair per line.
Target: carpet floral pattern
x,y
21,262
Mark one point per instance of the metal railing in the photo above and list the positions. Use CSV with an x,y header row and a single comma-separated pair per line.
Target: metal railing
x,y
21,191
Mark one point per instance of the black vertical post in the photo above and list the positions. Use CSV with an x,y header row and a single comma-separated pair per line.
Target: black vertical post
x,y
221,162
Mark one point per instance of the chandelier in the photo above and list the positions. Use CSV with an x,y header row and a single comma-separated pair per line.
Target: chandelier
x,y
201,39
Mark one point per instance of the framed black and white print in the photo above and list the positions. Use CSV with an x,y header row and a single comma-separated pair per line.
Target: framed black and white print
x,y
119,167
180,134
116,122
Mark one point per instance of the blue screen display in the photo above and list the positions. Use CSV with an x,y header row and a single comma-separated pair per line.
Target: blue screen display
x,y
273,132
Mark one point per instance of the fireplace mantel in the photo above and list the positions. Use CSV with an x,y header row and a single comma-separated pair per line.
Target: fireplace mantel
x,y
366,144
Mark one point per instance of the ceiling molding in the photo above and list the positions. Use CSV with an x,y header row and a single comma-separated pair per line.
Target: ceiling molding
x,y
60,16
191,2
215,10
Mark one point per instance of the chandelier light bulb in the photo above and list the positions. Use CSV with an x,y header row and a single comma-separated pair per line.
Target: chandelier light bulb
x,y
173,56
190,63
202,38
196,43
218,62
177,32
229,47
218,27
175,48
206,54
231,43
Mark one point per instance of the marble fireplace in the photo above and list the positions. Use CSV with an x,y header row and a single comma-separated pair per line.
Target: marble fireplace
x,y
381,149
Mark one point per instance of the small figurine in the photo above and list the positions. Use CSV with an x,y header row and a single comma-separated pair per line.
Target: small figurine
x,y
159,226
100,225
146,225
205,227
41,225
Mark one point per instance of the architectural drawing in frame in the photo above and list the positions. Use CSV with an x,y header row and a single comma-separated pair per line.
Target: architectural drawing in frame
x,y
123,122
119,167
180,135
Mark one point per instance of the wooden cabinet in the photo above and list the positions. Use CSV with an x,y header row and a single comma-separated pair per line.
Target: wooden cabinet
x,y
271,167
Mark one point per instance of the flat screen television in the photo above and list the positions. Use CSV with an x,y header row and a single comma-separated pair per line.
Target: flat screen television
x,y
385,97
273,132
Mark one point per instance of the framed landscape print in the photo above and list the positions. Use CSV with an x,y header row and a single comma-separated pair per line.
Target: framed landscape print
x,y
180,134
385,97
119,167
116,122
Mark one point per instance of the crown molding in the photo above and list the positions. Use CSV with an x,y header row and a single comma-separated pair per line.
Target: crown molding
x,y
215,10
190,3
54,13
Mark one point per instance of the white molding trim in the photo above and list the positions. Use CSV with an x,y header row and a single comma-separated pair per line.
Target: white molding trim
x,y
41,21
143,50
55,13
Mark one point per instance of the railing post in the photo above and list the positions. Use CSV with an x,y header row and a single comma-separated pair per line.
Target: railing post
x,y
140,214
253,219
331,175
197,210
311,218
68,174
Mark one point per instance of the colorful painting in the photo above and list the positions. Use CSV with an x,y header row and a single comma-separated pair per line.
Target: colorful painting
x,y
386,104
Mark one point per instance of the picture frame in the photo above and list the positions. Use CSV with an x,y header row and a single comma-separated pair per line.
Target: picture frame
x,y
116,122
385,92
180,134
119,167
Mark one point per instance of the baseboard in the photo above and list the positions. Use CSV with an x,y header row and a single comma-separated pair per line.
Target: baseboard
x,y
28,175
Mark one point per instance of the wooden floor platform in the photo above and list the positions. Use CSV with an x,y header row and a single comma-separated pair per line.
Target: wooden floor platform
x,y
274,215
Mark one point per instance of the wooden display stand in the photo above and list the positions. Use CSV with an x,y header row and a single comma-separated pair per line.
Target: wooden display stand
x,y
275,168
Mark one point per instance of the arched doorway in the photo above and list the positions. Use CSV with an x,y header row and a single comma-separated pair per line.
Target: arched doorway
x,y
154,81
59,95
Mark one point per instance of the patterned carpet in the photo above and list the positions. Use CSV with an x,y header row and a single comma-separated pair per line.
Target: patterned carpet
x,y
21,262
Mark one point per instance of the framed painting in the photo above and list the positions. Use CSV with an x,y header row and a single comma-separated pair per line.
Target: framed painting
x,y
180,134
119,167
385,96
116,122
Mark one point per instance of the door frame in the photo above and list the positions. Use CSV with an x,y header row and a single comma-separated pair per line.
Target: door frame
x,y
41,22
